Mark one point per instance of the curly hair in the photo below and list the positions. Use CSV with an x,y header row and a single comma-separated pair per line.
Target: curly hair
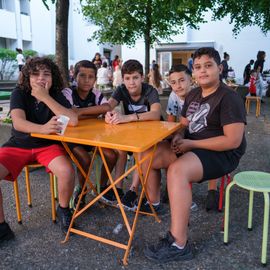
x,y
39,63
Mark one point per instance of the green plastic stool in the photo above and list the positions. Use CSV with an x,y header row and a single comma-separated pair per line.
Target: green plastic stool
x,y
252,181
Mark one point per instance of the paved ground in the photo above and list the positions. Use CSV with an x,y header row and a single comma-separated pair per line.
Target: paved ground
x,y
38,240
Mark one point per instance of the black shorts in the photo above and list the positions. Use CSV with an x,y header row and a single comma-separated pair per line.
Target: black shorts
x,y
216,164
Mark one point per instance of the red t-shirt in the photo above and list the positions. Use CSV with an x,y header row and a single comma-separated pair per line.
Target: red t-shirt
x,y
252,85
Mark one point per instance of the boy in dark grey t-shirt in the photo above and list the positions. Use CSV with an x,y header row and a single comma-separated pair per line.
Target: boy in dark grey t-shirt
x,y
141,103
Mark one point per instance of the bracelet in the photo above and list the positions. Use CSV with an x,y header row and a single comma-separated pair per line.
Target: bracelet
x,y
138,118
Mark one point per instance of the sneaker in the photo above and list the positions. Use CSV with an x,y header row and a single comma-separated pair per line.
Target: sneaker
x,y
75,198
145,207
109,197
212,200
64,216
5,232
165,251
129,200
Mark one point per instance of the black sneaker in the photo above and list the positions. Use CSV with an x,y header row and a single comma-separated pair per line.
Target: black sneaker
x,y
145,207
212,200
5,232
165,251
64,216
129,200
75,198
109,197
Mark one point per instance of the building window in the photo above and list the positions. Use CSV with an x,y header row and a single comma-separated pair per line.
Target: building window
x,y
24,7
2,4
3,43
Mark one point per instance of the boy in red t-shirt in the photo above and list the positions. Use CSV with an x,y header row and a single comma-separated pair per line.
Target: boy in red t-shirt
x,y
252,83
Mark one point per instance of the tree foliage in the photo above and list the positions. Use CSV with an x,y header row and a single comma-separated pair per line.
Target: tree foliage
x,y
125,21
244,13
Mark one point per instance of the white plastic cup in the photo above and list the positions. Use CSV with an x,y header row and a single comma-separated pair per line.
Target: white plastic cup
x,y
64,120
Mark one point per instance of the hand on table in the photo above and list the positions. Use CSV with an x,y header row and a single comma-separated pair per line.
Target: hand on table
x,y
115,118
52,126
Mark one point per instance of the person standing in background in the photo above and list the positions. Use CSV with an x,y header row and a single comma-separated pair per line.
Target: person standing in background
x,y
117,77
247,71
260,61
155,78
103,76
190,63
20,58
115,62
97,60
225,65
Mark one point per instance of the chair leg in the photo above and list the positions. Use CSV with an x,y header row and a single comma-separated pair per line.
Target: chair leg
x,y
55,189
52,197
221,191
17,201
250,210
265,227
98,172
227,212
28,190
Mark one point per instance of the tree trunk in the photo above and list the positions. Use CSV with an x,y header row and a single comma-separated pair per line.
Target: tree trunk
x,y
147,38
147,56
61,52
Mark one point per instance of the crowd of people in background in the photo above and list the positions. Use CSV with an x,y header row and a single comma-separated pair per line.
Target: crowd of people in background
x,y
253,75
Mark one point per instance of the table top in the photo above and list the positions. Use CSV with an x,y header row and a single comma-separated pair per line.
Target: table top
x,y
135,136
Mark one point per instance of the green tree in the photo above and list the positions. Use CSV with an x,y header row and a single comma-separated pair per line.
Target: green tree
x,y
125,21
61,40
244,13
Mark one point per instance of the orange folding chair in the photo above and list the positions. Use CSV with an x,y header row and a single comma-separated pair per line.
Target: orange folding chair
x,y
28,191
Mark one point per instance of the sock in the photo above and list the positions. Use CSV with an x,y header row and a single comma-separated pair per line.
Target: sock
x,y
177,246
154,204
63,208
3,223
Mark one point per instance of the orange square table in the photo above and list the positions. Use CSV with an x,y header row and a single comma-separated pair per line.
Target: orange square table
x,y
135,137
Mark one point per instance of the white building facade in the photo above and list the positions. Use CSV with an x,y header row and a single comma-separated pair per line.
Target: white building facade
x,y
29,25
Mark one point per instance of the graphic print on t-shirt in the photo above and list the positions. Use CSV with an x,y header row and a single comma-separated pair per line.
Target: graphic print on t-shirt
x,y
196,114
137,108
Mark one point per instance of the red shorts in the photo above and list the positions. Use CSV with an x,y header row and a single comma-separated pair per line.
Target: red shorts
x,y
15,159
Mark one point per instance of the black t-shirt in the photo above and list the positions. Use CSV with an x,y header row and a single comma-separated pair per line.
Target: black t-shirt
x,y
208,115
259,63
92,99
35,112
246,74
148,97
225,70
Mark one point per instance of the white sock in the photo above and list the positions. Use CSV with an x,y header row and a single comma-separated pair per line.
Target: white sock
x,y
179,247
154,204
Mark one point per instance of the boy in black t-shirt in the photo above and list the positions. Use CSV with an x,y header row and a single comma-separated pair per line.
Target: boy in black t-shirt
x,y
213,118
87,102
35,106
141,103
